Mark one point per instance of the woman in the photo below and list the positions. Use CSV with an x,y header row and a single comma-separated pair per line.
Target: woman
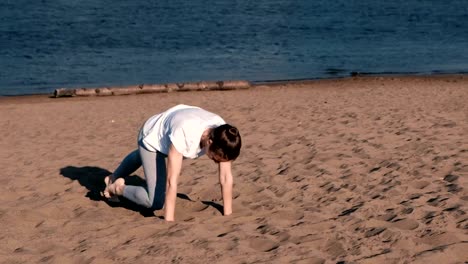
x,y
180,132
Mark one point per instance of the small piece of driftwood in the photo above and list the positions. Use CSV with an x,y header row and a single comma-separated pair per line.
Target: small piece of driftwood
x,y
152,88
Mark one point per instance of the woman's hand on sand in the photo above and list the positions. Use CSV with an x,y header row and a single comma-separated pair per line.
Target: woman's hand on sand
x,y
226,182
174,166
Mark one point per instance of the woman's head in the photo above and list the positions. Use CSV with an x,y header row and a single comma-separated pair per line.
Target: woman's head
x,y
225,143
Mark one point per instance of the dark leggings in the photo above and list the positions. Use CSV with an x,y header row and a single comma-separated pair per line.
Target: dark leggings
x,y
154,165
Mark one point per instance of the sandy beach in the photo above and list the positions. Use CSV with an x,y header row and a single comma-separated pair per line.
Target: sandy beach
x,y
356,170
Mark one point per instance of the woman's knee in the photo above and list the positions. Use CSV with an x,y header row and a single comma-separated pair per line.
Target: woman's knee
x,y
155,204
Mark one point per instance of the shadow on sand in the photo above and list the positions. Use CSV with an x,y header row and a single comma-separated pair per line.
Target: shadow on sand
x,y
92,178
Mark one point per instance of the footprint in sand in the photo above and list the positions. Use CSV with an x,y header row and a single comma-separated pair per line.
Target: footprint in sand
x,y
198,207
185,206
288,215
406,224
208,194
453,188
438,201
389,216
311,260
263,244
420,184
279,191
271,230
335,249
407,210
450,178
389,236
374,231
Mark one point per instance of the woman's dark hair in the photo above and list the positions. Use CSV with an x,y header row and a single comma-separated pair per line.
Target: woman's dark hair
x,y
226,142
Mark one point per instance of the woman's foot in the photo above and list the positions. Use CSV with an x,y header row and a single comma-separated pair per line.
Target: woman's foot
x,y
107,181
113,188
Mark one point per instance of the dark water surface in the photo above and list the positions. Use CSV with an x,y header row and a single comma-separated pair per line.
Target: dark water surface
x,y
86,43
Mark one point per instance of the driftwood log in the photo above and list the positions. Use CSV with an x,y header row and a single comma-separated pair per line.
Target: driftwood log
x,y
152,88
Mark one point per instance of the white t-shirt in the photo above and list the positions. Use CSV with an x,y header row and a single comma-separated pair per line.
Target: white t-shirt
x,y
181,125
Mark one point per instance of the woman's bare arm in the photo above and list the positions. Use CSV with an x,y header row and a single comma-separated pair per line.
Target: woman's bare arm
x,y
174,166
226,182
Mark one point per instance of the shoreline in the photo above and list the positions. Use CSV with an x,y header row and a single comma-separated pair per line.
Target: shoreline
x,y
274,83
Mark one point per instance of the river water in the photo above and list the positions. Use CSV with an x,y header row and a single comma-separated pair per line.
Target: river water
x,y
50,44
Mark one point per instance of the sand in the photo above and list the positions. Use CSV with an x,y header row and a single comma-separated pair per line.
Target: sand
x,y
358,170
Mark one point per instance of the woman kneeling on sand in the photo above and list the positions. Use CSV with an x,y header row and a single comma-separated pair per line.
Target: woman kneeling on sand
x,y
180,132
